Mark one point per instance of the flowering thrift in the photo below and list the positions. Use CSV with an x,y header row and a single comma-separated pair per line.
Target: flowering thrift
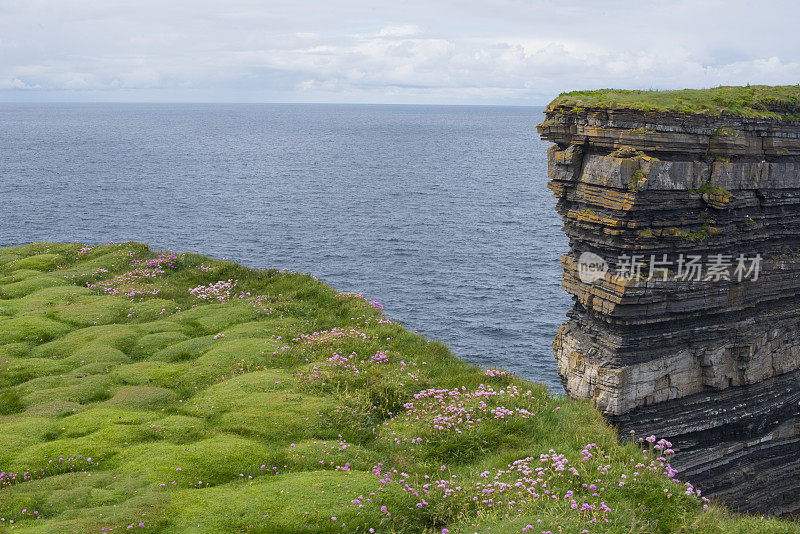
x,y
139,281
434,414
219,291
547,482
240,401
374,303
51,467
329,336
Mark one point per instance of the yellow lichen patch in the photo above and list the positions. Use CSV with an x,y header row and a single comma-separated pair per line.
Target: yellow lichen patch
x,y
718,199
577,361
557,188
603,197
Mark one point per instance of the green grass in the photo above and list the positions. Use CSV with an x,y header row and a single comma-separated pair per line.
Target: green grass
x,y
778,102
127,401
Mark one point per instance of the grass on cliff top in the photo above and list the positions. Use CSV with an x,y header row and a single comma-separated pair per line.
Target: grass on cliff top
x,y
781,102
176,393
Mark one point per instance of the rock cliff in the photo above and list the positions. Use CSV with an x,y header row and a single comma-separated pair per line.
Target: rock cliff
x,y
689,328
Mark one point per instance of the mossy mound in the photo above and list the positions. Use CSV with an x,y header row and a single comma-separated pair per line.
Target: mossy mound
x,y
176,393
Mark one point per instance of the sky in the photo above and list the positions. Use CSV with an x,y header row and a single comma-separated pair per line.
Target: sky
x,y
495,52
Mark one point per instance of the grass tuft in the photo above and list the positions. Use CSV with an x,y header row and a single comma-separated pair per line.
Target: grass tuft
x,y
763,101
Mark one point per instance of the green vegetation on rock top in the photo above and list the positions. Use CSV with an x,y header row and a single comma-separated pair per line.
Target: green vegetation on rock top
x,y
161,392
781,102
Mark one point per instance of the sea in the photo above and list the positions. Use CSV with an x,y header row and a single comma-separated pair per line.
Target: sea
x,y
440,213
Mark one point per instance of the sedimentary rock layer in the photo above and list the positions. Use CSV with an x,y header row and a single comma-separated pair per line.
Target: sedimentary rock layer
x,y
708,358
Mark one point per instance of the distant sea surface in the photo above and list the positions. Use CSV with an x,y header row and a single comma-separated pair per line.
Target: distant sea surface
x,y
439,213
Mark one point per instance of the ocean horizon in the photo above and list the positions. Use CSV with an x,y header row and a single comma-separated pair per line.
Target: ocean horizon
x,y
439,212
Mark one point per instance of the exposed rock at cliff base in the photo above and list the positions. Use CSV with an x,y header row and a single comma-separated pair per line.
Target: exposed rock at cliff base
x,y
708,359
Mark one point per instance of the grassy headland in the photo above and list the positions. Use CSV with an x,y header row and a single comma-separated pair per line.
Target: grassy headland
x,y
175,393
781,101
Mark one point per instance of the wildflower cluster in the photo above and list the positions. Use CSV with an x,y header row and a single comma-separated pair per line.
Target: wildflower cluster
x,y
374,303
382,356
532,485
329,336
222,291
219,291
348,368
366,320
139,280
524,484
434,413
34,514
53,466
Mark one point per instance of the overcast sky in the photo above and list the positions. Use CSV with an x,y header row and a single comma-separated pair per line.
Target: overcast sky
x,y
418,51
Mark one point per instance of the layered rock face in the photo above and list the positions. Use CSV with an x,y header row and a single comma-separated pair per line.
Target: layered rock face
x,y
707,357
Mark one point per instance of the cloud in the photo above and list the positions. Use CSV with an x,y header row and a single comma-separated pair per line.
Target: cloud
x,y
441,52
16,84
399,31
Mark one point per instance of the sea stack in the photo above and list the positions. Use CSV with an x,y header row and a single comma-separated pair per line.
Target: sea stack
x,y
683,215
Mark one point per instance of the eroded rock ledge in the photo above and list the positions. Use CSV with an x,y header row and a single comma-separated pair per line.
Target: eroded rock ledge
x,y
712,365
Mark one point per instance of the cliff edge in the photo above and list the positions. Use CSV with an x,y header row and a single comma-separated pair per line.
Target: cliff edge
x,y
683,214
